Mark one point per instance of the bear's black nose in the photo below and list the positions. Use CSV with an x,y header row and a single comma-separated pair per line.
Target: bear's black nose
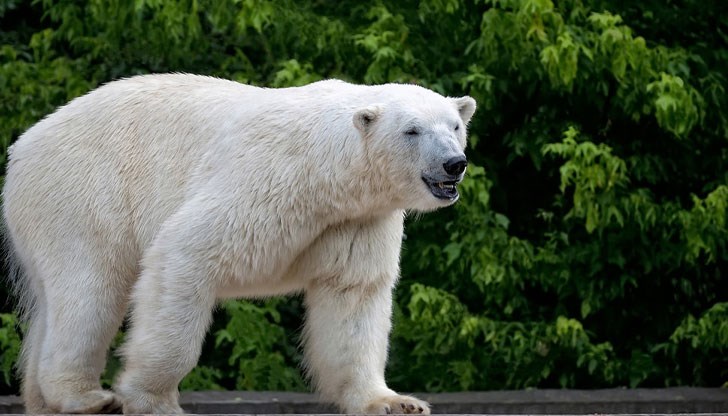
x,y
456,165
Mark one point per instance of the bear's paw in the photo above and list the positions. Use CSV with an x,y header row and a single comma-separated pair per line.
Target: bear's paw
x,y
398,405
94,402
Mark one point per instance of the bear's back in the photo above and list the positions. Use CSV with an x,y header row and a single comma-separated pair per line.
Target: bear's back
x,y
119,158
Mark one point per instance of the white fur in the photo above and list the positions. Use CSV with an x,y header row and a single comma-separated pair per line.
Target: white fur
x,y
170,192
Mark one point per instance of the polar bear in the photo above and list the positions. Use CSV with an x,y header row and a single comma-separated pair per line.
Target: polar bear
x,y
163,194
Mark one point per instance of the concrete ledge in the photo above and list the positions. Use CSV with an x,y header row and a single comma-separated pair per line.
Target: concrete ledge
x,y
678,400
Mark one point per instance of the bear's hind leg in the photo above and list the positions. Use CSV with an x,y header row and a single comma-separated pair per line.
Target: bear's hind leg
x,y
170,316
30,356
85,306
172,305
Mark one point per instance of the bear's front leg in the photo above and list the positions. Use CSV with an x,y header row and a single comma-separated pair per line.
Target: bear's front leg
x,y
346,343
349,316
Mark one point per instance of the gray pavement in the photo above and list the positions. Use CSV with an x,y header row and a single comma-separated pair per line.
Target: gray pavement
x,y
673,401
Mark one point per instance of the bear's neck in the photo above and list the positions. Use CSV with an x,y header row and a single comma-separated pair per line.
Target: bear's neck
x,y
352,185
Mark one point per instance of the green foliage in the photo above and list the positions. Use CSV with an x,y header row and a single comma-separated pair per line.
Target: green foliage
x,y
704,226
9,346
700,343
259,348
591,230
596,175
675,105
710,332
202,377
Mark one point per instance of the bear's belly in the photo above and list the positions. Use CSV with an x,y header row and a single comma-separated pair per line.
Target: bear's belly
x,y
260,289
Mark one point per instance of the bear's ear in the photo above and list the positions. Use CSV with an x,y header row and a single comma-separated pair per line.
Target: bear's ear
x,y
365,117
466,107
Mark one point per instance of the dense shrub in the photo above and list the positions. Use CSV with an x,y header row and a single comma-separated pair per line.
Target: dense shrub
x,y
589,248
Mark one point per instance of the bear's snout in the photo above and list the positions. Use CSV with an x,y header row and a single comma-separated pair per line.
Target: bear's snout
x,y
455,166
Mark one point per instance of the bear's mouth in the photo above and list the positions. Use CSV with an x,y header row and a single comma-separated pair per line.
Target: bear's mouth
x,y
442,189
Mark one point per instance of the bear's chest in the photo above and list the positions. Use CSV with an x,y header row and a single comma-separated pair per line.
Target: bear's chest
x,y
292,265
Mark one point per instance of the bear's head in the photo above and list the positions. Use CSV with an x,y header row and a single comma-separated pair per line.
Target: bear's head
x,y
415,139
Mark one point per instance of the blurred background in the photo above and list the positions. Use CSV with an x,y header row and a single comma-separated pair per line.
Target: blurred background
x,y
589,248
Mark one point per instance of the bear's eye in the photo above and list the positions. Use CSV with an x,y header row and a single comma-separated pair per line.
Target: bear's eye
x,y
412,132
457,127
